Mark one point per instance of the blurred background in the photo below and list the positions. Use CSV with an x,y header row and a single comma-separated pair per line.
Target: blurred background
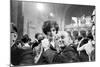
x,y
28,16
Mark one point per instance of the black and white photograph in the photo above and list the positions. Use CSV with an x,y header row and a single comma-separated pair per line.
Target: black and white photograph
x,y
44,33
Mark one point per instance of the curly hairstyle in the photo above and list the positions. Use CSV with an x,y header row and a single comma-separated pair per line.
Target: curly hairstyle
x,y
48,25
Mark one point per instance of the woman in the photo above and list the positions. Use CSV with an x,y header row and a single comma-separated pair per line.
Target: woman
x,y
50,29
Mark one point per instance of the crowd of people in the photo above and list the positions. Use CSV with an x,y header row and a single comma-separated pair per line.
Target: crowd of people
x,y
52,46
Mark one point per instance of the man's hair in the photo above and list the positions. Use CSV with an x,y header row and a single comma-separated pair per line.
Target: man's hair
x,y
37,36
48,25
25,38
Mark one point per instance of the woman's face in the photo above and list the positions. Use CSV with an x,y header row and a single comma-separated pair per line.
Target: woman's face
x,y
52,32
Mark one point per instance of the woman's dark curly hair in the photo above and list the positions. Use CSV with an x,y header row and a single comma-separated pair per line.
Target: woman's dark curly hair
x,y
48,25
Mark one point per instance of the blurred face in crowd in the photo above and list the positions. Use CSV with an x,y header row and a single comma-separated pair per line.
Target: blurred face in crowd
x,y
13,38
52,32
40,37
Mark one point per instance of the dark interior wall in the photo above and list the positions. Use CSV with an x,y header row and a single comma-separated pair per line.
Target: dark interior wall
x,y
78,11
13,11
16,16
20,20
36,17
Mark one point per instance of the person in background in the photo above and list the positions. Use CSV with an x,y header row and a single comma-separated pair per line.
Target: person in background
x,y
85,44
27,53
13,34
93,20
26,41
15,54
37,50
